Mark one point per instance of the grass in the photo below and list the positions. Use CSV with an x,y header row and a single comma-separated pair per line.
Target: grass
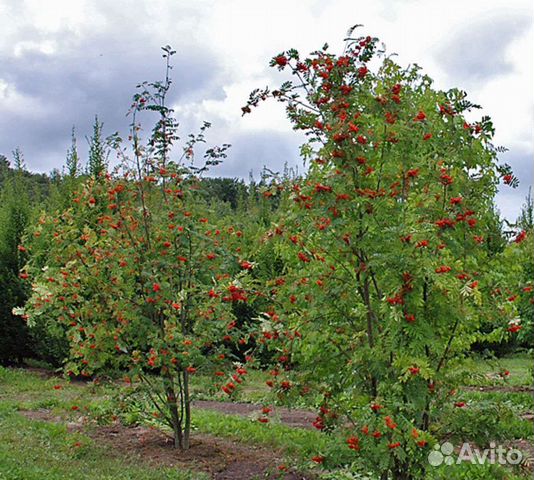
x,y
482,372
522,402
490,371
253,390
295,442
31,449
34,450
37,450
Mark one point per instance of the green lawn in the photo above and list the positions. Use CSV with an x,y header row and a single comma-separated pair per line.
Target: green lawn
x,y
38,450
492,372
48,447
34,450
253,390
41,450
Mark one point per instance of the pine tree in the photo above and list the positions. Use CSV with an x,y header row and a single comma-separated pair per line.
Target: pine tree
x,y
97,164
73,160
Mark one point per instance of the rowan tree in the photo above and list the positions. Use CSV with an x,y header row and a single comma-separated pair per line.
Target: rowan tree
x,y
138,273
387,275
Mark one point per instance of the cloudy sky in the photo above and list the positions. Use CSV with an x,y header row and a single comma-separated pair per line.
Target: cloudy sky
x,y
63,61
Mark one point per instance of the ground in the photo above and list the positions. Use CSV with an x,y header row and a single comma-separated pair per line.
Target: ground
x,y
220,458
53,429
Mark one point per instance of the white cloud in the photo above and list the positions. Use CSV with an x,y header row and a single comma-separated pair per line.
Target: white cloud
x,y
240,36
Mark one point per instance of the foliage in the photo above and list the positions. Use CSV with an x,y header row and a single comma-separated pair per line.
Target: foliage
x,y
388,275
138,274
524,257
14,217
361,287
526,217
483,422
98,152
228,190
73,159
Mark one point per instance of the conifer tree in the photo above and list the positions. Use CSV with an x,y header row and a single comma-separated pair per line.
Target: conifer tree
x,y
14,216
97,164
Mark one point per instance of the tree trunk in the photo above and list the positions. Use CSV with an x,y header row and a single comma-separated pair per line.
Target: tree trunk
x,y
176,421
187,411
180,417
370,334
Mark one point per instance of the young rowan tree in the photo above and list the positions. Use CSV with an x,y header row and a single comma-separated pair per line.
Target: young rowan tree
x,y
139,274
387,276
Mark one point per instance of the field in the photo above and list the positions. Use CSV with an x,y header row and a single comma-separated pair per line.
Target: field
x,y
370,317
54,429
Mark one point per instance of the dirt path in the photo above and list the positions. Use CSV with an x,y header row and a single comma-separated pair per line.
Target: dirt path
x,y
221,458
291,417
